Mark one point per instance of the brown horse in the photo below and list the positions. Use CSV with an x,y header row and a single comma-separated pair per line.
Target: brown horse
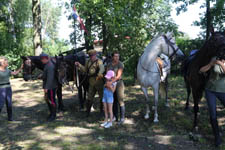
x,y
211,48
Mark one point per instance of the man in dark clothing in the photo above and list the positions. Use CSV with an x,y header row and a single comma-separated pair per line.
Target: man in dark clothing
x,y
49,85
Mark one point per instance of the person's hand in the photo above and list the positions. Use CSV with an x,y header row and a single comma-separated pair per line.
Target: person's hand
x,y
77,64
45,90
21,67
218,62
100,76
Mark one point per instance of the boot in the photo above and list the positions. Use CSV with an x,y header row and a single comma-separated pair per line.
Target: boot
x,y
61,106
9,111
88,105
115,107
216,132
0,110
122,114
53,114
50,110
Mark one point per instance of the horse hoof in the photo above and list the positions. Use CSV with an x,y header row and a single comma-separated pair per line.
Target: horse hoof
x,y
167,105
146,116
156,121
196,129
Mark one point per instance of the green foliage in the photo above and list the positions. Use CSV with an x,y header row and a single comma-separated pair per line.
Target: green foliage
x,y
186,44
115,20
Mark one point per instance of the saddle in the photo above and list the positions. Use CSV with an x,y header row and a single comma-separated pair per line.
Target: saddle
x,y
160,64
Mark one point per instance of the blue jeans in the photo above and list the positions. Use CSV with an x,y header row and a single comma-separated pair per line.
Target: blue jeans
x,y
6,97
107,96
211,100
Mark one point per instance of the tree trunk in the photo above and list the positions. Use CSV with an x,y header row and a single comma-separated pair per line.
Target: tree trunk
x,y
87,36
37,25
105,39
208,19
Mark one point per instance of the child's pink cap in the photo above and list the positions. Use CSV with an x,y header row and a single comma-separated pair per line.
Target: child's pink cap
x,y
109,74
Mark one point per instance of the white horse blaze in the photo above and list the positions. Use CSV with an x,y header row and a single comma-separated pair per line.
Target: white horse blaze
x,y
147,70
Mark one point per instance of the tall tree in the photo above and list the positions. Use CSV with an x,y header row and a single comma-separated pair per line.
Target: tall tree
x,y
37,27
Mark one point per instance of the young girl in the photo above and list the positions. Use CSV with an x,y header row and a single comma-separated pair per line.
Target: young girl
x,y
108,98
5,87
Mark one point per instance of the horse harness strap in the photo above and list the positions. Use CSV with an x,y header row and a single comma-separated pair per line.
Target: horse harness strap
x,y
170,44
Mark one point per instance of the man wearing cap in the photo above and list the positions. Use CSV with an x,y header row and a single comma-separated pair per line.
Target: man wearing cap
x,y
94,69
49,85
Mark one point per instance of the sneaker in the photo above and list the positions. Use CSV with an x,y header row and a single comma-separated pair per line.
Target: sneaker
x,y
104,124
114,119
108,125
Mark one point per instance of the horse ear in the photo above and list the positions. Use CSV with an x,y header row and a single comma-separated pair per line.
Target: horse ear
x,y
24,58
169,35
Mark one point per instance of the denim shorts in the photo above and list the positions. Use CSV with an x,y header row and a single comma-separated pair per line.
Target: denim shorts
x,y
107,96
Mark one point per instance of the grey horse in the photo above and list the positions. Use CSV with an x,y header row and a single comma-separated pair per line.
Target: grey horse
x,y
148,73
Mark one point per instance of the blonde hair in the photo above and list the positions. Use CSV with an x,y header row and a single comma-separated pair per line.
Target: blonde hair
x,y
2,60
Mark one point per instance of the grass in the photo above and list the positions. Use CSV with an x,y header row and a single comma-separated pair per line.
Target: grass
x,y
72,131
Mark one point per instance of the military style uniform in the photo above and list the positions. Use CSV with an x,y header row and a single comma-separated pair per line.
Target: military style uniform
x,y
94,70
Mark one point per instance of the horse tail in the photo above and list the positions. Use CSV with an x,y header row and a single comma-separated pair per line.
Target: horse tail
x,y
162,89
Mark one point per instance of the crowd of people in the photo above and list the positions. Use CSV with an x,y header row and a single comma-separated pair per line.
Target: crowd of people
x,y
108,83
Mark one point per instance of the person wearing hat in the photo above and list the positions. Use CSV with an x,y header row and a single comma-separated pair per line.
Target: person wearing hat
x,y
94,69
49,85
5,87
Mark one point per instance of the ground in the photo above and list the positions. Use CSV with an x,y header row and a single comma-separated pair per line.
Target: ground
x,y
73,131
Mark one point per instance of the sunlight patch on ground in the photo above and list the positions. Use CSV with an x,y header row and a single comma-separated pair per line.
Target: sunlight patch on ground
x,y
73,131
165,140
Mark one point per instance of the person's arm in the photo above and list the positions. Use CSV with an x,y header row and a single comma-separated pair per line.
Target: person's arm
x,y
219,62
17,71
112,87
101,70
81,67
207,67
119,75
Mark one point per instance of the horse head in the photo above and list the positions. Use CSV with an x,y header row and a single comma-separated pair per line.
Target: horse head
x,y
62,69
28,68
172,49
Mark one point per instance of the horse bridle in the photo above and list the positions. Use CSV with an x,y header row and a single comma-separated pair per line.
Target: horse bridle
x,y
169,43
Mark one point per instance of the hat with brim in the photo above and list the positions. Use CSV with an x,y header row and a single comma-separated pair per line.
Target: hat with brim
x,y
110,74
92,52
43,55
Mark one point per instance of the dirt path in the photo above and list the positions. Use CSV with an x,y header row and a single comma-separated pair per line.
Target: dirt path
x,y
73,131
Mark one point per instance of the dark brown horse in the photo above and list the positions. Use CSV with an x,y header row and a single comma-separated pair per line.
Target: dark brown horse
x,y
33,62
66,72
197,81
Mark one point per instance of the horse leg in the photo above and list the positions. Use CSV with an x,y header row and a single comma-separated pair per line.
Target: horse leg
x,y
196,110
145,91
166,88
80,95
156,95
188,92
59,96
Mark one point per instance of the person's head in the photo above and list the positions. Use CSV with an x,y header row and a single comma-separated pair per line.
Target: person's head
x,y
116,56
92,54
110,75
3,62
44,58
